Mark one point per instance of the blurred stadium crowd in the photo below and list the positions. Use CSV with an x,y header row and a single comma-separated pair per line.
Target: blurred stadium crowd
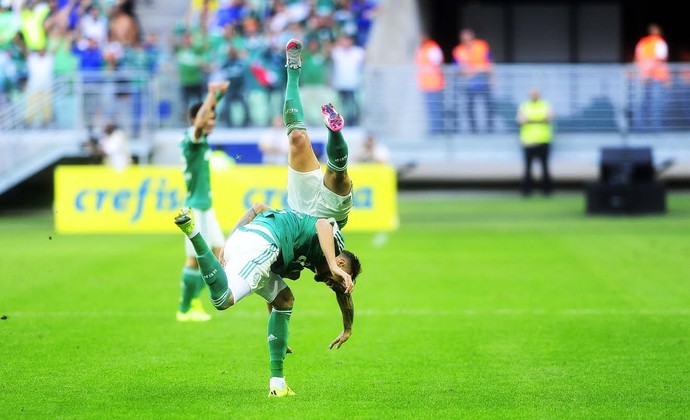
x,y
102,41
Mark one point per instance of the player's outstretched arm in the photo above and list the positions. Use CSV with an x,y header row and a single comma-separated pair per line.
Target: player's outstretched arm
x,y
324,230
347,309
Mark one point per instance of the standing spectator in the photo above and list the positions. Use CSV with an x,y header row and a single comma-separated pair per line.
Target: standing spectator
x,y
60,45
373,151
94,25
152,52
124,26
135,68
39,87
33,14
7,73
191,66
220,45
365,11
683,89
115,144
321,27
475,72
314,78
234,70
91,62
9,24
233,12
273,144
348,59
651,54
57,17
536,132
18,53
429,59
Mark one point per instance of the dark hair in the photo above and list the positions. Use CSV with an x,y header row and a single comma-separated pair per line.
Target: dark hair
x,y
193,110
353,262
110,128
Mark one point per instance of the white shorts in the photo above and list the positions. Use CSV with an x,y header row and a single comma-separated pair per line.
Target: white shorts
x,y
248,259
209,228
307,193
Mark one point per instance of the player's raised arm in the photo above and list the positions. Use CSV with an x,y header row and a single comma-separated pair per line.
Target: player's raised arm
x,y
207,112
324,230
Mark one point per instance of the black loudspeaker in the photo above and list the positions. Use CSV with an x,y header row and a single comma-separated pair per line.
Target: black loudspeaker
x,y
626,183
625,165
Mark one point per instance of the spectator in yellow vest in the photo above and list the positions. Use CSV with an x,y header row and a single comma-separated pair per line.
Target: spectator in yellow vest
x,y
536,132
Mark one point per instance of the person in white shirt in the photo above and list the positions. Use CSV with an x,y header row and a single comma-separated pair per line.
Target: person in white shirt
x,y
373,151
39,102
94,25
272,143
115,146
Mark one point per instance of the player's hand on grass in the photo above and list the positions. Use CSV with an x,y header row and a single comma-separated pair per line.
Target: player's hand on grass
x,y
340,339
289,350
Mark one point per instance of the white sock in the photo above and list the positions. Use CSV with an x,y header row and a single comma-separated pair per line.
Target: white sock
x,y
277,383
195,231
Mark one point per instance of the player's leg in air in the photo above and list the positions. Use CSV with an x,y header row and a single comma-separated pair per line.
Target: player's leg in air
x,y
224,295
305,177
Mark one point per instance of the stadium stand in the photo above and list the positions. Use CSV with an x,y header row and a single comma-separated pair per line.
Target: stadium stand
x,y
136,82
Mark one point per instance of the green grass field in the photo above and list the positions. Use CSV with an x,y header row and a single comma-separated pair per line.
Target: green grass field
x,y
478,307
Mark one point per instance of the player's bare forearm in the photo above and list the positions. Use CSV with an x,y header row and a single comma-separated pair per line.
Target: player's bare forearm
x,y
324,231
216,90
347,309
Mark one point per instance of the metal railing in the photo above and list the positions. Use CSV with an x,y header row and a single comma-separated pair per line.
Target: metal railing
x,y
585,98
85,102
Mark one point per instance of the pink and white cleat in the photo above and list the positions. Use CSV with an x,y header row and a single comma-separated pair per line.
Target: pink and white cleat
x,y
331,118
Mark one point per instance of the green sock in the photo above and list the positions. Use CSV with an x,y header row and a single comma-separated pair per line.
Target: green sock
x,y
189,285
212,272
293,112
336,150
278,338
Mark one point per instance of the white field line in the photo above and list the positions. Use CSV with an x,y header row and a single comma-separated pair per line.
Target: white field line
x,y
363,312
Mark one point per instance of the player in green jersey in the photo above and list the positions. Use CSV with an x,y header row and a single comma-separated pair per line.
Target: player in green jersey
x,y
309,190
196,154
258,253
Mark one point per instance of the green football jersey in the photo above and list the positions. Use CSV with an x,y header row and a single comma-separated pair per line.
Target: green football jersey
x,y
197,171
297,238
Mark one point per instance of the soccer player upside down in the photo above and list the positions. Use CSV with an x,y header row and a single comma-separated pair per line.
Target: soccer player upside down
x,y
274,243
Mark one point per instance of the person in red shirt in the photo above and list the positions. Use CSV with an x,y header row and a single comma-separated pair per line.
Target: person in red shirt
x,y
429,59
474,68
651,55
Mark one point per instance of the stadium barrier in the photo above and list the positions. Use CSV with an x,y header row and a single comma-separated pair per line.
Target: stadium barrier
x,y
145,199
